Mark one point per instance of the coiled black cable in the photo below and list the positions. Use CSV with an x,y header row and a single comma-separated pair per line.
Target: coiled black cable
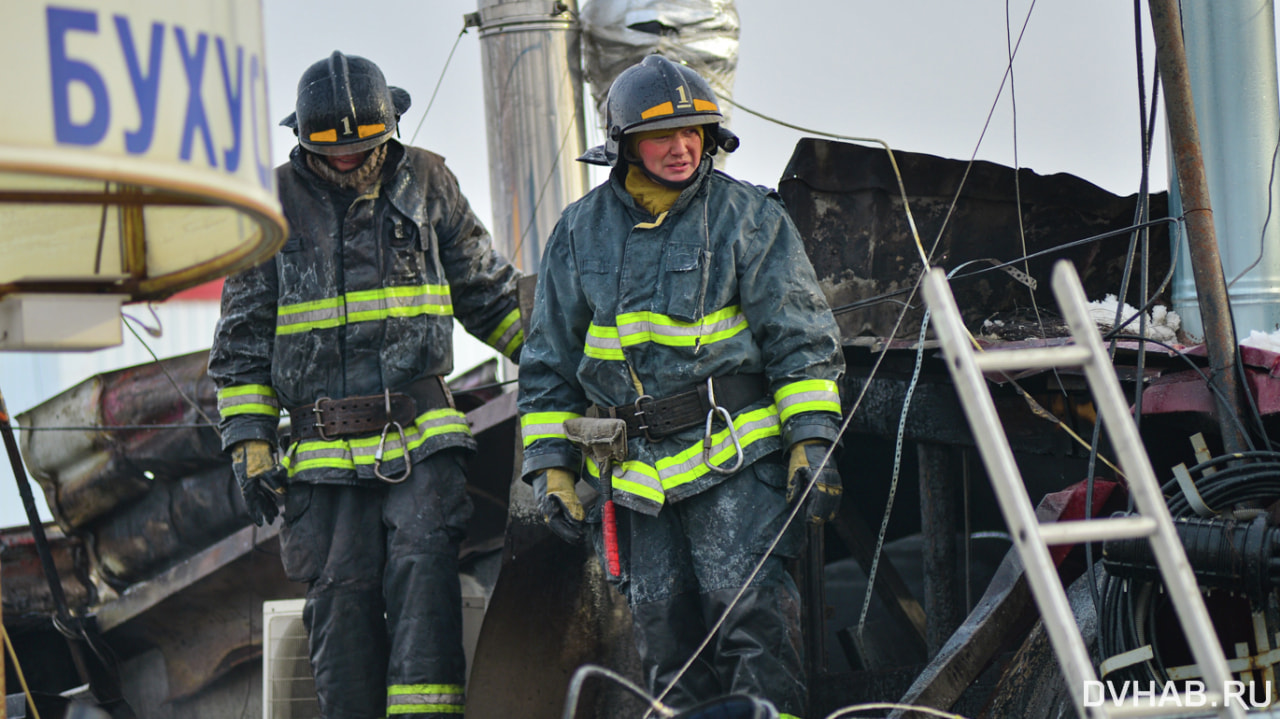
x,y
1130,608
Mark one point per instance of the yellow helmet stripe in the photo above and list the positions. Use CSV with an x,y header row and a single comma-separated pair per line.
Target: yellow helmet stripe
x,y
325,136
665,108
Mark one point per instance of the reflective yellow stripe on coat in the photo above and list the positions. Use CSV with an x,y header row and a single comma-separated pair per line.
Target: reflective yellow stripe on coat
x,y
509,335
643,487
544,425
637,328
812,395
351,453
248,399
364,306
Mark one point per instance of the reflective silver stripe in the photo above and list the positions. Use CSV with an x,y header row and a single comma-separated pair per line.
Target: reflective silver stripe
x,y
544,425
248,399
814,395
688,465
348,453
507,343
415,699
603,343
643,488
650,326
391,302
425,699
310,316
509,333
636,487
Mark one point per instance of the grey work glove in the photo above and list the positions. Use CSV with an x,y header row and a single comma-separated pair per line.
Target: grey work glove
x,y
260,476
558,503
824,499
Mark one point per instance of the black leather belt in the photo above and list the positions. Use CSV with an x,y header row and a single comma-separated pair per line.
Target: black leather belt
x,y
655,418
328,419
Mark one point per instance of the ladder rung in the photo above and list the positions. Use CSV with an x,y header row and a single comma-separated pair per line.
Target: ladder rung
x,y
1033,358
1199,705
1097,530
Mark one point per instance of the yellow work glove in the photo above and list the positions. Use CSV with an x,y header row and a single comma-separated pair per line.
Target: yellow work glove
x,y
260,478
824,498
558,503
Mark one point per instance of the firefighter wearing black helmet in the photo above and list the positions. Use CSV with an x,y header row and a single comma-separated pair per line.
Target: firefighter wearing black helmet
x,y
681,301
349,328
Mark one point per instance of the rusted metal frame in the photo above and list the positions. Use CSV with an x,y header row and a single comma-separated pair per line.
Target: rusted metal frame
x,y
144,595
1206,263
940,519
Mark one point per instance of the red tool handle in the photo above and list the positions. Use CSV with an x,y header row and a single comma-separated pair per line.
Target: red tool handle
x,y
611,539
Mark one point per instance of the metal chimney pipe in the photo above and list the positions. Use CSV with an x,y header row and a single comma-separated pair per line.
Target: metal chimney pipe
x,y
1231,63
1193,189
532,66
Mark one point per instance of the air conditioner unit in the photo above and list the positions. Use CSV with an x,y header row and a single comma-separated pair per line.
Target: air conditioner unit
x,y
289,690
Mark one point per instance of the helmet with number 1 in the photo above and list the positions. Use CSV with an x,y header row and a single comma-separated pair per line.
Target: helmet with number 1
x,y
345,106
658,94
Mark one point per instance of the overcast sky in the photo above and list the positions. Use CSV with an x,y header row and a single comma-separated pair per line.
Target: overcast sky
x,y
923,75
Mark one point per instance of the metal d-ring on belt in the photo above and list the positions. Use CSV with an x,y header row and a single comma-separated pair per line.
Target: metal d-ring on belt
x,y
716,409
382,443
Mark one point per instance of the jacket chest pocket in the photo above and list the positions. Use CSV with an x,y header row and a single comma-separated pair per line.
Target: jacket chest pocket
x,y
684,281
297,270
409,252
599,280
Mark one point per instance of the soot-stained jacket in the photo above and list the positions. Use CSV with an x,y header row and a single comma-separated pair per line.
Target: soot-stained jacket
x,y
361,298
718,285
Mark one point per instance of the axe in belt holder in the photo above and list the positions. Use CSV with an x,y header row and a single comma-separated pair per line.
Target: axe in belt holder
x,y
605,442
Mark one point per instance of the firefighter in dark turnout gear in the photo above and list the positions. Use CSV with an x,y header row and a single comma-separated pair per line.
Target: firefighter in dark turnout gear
x,y
680,300
349,329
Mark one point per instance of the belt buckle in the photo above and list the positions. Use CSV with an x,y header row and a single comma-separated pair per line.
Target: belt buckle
x,y
639,414
318,410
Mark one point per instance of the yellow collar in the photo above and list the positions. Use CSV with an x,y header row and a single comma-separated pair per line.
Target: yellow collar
x,y
650,195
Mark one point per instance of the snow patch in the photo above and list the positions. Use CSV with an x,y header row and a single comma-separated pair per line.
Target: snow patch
x,y
1262,340
1162,323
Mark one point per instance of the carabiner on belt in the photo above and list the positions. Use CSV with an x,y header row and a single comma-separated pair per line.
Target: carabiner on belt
x,y
382,443
706,436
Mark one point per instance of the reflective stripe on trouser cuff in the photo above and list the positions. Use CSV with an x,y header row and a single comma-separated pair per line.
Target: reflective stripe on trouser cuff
x,y
813,395
350,453
509,335
643,488
544,425
248,399
426,699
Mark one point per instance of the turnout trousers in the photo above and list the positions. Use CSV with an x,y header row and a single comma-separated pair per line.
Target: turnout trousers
x,y
682,568
383,610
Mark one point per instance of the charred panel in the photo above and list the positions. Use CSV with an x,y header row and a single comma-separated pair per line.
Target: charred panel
x,y
846,202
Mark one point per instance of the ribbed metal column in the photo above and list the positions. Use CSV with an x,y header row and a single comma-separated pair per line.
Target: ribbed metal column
x,y
533,109
1231,60
1205,262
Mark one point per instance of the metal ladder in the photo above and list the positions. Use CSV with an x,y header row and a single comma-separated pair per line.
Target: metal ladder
x,y
1031,538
